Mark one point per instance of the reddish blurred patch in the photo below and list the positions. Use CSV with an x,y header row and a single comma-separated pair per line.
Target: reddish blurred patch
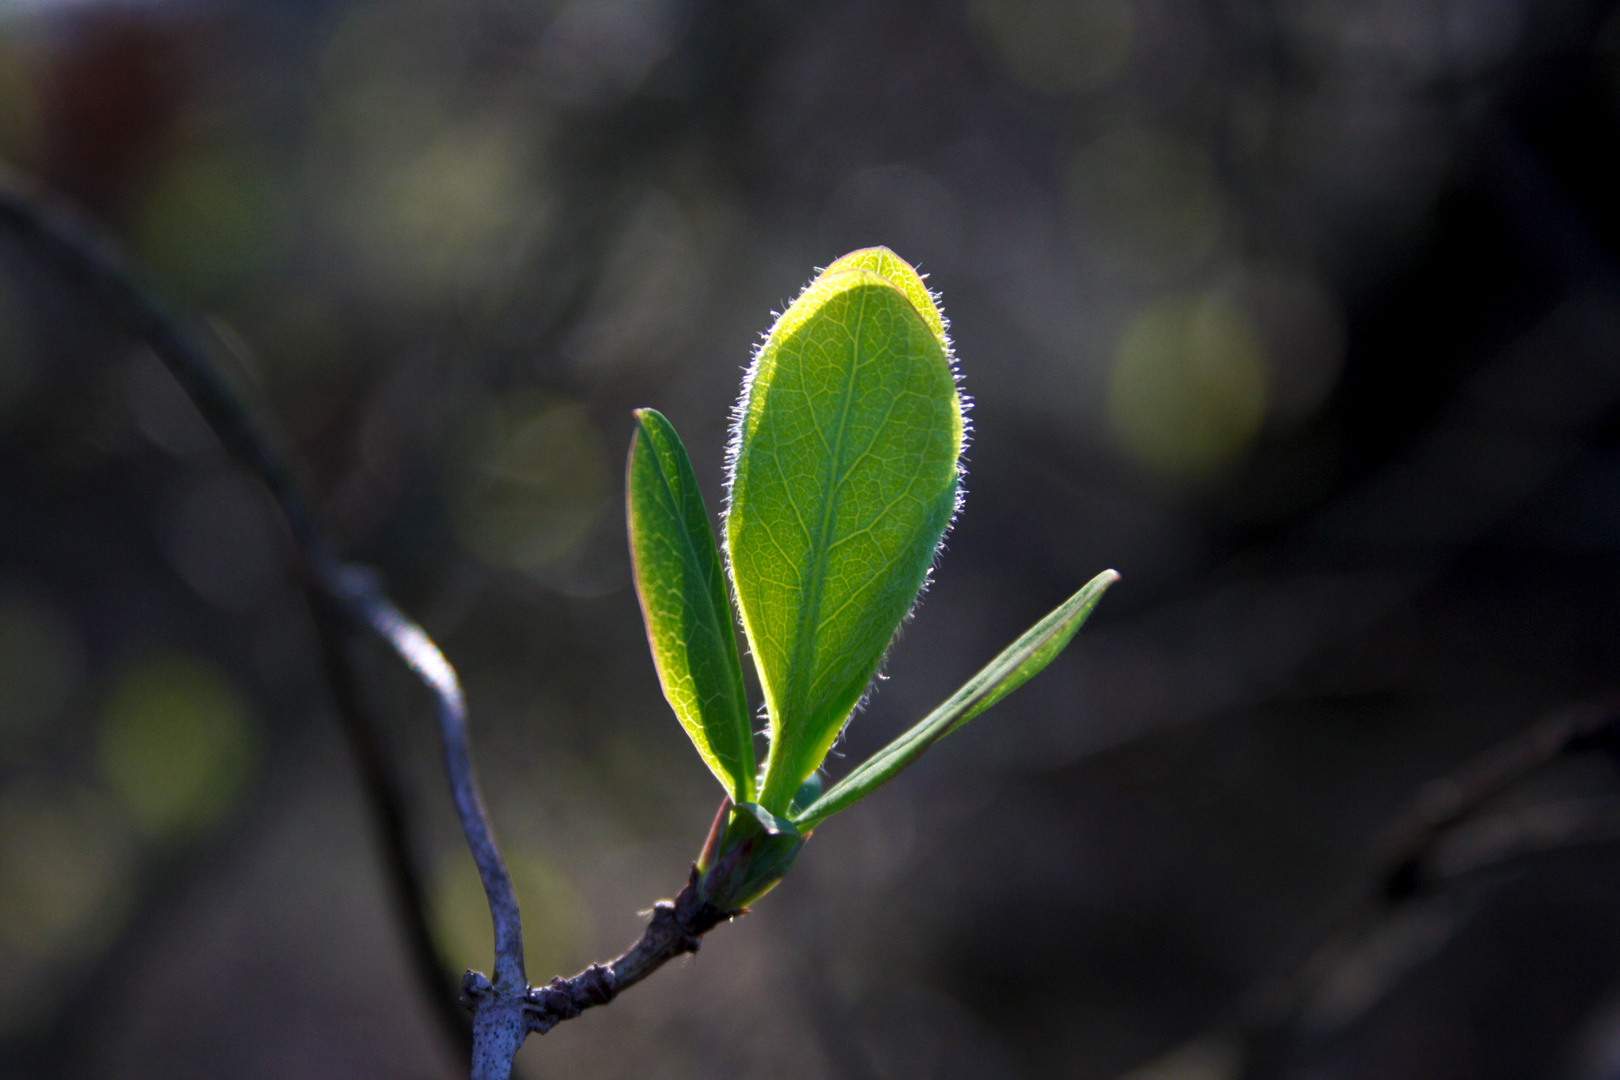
x,y
114,93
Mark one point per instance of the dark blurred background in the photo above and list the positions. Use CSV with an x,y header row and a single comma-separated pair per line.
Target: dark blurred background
x,y
1304,315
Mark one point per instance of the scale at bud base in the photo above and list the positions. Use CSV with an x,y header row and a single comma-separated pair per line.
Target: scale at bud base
x,y
746,854
843,475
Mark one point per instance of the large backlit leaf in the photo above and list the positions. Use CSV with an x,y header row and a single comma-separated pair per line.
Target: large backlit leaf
x,y
1016,664
844,477
683,600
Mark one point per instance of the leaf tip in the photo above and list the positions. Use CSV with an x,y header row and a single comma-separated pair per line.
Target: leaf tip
x,y
902,275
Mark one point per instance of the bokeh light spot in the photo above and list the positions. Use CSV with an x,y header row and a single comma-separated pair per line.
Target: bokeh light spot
x,y
597,52
65,866
444,208
1187,393
651,292
213,220
1059,46
176,744
1302,331
222,542
536,480
557,926
899,207
40,666
161,410
1145,201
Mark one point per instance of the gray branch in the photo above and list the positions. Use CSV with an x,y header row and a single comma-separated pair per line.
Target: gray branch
x,y
342,598
346,598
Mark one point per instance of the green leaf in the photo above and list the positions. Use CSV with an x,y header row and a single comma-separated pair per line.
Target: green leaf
x,y
1016,664
899,273
683,601
843,479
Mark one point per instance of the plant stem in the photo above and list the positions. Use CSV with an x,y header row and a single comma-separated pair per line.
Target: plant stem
x,y
347,598
344,599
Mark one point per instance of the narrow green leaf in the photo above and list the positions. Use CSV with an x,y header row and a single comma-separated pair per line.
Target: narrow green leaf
x,y
1016,664
683,601
843,479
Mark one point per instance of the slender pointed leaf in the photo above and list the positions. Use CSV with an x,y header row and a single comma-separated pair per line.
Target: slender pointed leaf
x,y
843,479
1016,664
683,601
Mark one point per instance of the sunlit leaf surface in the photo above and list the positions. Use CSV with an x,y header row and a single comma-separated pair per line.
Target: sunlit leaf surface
x,y
683,600
844,477
1016,665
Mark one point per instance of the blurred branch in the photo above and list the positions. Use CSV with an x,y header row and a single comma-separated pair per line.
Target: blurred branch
x,y
346,598
343,598
1440,840
1446,803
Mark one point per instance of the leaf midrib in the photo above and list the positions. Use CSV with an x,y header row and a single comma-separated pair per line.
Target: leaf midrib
x,y
804,645
692,557
695,561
